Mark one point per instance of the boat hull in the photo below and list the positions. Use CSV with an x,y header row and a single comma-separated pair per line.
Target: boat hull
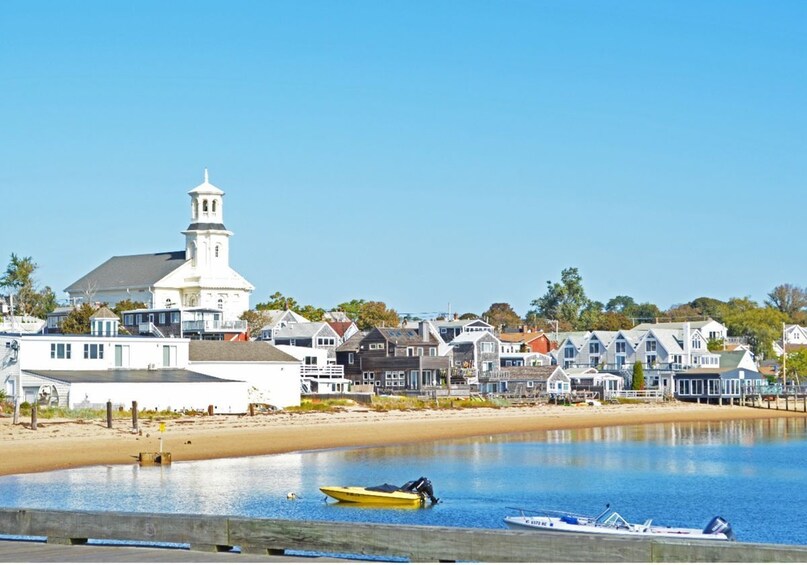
x,y
360,495
552,524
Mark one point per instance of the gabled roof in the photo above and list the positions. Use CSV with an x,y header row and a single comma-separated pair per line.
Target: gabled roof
x,y
304,330
354,343
471,337
460,323
577,339
518,337
405,336
537,372
667,338
235,351
604,337
731,359
130,271
104,313
276,316
697,324
340,327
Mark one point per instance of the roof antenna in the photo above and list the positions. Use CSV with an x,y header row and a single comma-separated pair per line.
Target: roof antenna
x,y
206,174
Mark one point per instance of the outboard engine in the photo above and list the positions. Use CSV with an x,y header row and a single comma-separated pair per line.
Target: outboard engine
x,y
422,486
719,526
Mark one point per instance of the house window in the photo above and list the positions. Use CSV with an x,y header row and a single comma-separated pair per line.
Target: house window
x,y
350,358
93,350
174,317
650,345
325,341
410,351
487,347
568,353
697,387
162,318
138,318
683,387
443,330
377,346
696,343
621,346
420,352
60,351
594,347
620,360
594,360
368,378
128,319
650,360
713,387
432,351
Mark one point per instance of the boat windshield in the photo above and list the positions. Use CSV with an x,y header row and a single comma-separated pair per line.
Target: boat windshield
x,y
614,520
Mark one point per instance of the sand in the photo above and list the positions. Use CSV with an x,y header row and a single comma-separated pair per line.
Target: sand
x,y
60,444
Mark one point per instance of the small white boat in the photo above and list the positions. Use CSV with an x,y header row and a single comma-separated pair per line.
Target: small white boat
x,y
611,523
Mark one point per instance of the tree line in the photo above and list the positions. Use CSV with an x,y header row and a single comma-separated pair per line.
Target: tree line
x,y
564,306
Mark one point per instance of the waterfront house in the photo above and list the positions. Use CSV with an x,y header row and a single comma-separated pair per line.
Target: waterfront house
x,y
710,329
347,356
523,359
736,375
89,370
793,335
398,360
345,330
475,355
319,373
308,334
271,376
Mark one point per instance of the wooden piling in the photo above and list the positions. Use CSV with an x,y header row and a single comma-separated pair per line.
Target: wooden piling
x,y
134,416
109,414
251,409
33,416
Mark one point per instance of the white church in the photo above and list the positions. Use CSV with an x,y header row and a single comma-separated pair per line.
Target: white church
x,y
200,276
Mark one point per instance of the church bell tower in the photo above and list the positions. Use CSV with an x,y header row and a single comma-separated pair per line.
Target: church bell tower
x,y
207,241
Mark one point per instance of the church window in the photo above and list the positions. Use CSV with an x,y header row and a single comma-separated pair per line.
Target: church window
x,y
217,247
214,206
195,210
204,205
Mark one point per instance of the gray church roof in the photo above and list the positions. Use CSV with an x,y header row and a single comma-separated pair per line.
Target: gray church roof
x,y
125,271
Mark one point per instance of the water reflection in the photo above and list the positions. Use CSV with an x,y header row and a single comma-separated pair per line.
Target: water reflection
x,y
678,474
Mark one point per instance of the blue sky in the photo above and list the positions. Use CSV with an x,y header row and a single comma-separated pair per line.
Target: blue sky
x,y
418,153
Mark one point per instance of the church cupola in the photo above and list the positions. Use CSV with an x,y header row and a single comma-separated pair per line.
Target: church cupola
x,y
206,239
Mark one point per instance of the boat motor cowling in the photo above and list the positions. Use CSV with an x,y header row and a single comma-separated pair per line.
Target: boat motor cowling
x,y
422,486
719,525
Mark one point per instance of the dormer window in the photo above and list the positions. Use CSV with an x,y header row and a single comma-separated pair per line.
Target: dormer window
x,y
594,347
650,345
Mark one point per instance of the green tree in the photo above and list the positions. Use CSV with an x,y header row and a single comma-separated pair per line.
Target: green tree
x,y
564,300
796,364
613,321
762,326
278,302
311,313
709,307
77,322
715,344
128,304
501,315
638,376
352,308
19,279
469,316
620,304
256,320
788,299
375,314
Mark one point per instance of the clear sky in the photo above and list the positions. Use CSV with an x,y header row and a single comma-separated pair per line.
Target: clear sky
x,y
419,153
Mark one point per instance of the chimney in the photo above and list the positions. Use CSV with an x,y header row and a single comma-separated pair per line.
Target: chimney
x,y
456,316
425,335
687,344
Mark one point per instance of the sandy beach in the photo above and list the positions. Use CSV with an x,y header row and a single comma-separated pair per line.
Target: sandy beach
x,y
59,444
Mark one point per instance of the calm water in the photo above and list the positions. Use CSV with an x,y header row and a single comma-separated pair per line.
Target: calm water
x,y
751,473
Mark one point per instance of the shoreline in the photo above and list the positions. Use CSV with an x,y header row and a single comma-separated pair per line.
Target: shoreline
x,y
62,444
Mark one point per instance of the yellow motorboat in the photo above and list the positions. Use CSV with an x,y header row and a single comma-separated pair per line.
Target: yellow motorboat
x,y
413,493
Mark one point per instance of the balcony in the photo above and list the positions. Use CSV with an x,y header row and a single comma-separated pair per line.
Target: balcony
x,y
323,371
214,326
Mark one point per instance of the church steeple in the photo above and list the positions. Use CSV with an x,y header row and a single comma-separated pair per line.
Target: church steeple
x,y
206,238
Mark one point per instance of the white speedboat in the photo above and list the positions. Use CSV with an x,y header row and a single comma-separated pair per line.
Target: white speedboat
x,y
610,522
